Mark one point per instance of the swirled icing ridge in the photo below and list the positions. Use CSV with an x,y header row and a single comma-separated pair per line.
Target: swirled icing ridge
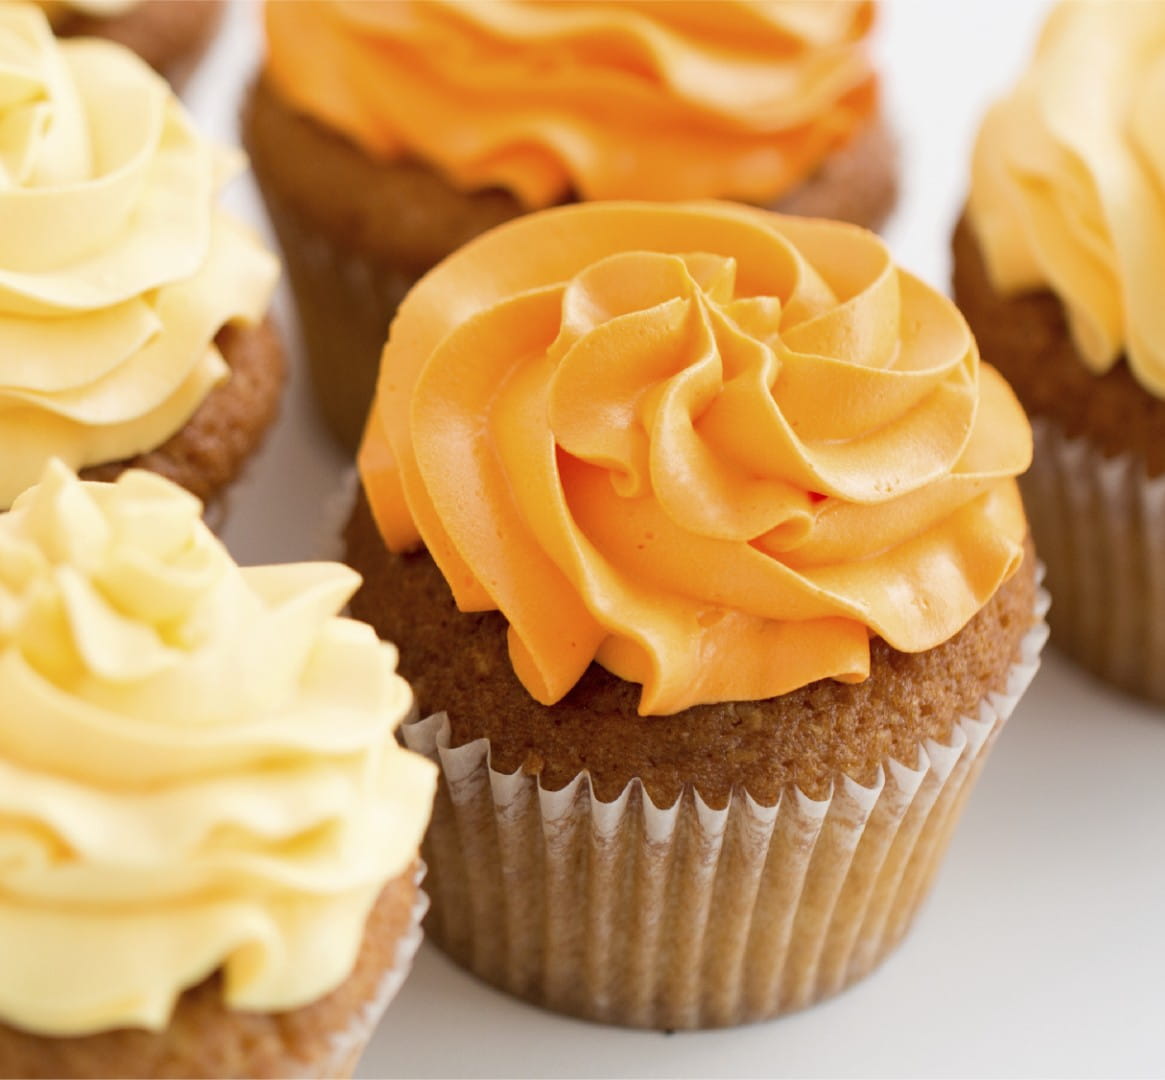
x,y
708,446
600,100
1068,182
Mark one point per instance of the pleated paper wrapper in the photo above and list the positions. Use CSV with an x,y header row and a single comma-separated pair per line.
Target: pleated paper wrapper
x,y
687,916
346,1048
1099,525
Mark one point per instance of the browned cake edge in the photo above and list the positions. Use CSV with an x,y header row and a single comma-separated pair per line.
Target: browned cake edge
x,y
207,1039
208,453
396,213
403,212
458,662
857,183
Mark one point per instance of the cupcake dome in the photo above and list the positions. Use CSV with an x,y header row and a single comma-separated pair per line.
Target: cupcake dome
x,y
643,403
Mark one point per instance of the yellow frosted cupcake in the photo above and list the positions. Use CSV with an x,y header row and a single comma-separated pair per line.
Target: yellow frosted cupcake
x,y
1059,267
386,134
208,833
698,529
132,309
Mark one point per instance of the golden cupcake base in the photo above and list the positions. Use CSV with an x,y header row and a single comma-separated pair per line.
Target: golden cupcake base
x,y
627,913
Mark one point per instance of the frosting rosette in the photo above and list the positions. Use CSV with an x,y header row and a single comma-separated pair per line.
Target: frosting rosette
x,y
626,99
198,770
116,269
1068,182
710,447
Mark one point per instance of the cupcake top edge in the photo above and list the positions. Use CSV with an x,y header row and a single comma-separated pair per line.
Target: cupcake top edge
x,y
1068,182
117,270
102,9
711,447
198,768
592,100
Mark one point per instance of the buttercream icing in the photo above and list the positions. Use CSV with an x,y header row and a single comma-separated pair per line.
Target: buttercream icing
x,y
1068,182
116,268
711,447
197,764
601,100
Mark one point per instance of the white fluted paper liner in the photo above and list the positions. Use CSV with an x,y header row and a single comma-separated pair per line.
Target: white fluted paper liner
x,y
688,916
1099,525
347,1047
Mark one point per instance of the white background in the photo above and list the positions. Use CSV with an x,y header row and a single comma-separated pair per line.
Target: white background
x,y
1042,949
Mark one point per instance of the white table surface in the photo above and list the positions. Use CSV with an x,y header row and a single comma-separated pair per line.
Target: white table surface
x,y
1041,950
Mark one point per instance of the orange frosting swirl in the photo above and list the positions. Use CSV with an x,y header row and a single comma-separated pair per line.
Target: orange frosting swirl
x,y
709,446
634,99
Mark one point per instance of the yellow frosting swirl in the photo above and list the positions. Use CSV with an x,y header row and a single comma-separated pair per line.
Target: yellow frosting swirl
x,y
197,764
116,269
1068,182
709,446
632,99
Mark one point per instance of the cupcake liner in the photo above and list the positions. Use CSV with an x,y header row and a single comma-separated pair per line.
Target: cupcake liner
x,y
1099,524
345,302
347,1047
688,916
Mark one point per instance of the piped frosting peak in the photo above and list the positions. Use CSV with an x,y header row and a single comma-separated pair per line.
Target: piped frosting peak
x,y
708,446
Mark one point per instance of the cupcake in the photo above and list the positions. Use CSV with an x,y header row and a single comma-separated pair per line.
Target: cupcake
x,y
1059,267
132,309
385,135
208,865
169,35
698,531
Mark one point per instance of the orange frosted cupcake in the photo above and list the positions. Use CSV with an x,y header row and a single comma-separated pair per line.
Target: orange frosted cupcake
x,y
698,530
169,35
132,310
208,865
1059,268
385,135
